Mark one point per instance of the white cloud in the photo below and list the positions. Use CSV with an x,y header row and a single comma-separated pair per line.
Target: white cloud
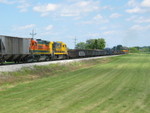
x,y
98,19
138,7
49,27
94,35
109,32
45,8
135,10
6,2
78,8
133,3
140,27
132,18
115,15
23,5
146,3
25,27
140,19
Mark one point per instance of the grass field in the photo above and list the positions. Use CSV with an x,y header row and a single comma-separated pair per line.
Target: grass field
x,y
121,85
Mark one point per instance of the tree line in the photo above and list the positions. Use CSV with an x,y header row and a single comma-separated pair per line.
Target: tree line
x,y
92,44
138,49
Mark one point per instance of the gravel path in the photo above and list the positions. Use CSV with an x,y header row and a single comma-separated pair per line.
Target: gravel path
x,y
16,67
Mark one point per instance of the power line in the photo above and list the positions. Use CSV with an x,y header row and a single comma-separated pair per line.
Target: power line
x,y
75,41
33,33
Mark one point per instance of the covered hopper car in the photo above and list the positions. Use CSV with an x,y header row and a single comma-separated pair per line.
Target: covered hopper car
x,y
13,48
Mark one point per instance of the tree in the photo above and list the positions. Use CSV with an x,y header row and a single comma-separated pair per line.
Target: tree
x,y
96,43
133,50
101,43
81,45
90,44
119,47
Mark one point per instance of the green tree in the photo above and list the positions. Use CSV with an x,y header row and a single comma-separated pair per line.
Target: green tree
x,y
119,47
101,43
90,44
133,50
96,43
81,45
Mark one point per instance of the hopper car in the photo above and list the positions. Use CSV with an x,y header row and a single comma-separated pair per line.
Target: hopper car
x,y
16,49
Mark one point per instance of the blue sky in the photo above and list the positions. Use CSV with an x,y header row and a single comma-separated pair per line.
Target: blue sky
x,y
125,22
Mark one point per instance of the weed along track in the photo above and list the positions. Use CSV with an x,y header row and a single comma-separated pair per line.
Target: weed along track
x,y
110,85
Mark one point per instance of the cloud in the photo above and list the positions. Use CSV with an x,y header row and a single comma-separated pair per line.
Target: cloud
x,y
45,8
98,19
133,3
140,27
145,3
140,19
136,10
25,27
78,8
138,7
6,2
109,32
23,5
49,27
94,35
132,18
115,15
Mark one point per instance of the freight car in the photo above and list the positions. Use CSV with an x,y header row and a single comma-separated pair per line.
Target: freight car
x,y
13,48
76,53
16,49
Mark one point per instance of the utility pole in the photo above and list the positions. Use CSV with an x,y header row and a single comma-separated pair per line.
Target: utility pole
x,y
75,42
33,34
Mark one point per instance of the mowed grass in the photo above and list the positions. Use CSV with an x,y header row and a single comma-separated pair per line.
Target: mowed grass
x,y
119,86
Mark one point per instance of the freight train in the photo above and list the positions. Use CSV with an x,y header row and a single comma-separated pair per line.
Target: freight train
x,y
16,49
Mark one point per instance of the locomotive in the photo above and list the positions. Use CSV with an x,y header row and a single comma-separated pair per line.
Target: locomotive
x,y
17,49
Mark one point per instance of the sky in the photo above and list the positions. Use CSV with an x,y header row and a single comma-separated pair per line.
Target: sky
x,y
125,22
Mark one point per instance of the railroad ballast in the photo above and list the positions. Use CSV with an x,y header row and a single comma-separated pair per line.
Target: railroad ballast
x,y
16,49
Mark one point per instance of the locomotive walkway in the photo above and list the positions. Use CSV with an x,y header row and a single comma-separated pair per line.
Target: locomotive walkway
x,y
16,67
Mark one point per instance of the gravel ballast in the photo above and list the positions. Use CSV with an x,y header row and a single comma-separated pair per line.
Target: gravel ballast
x,y
16,67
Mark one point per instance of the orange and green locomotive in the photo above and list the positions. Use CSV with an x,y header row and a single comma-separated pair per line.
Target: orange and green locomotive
x,y
46,50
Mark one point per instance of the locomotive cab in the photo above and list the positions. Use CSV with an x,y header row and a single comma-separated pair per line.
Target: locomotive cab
x,y
60,50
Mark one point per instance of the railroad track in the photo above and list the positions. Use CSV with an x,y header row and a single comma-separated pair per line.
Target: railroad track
x,y
15,67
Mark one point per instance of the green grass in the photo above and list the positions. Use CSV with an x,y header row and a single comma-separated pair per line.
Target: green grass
x,y
121,85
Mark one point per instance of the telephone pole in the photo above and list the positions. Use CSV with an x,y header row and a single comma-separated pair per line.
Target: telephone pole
x,y
75,42
33,33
